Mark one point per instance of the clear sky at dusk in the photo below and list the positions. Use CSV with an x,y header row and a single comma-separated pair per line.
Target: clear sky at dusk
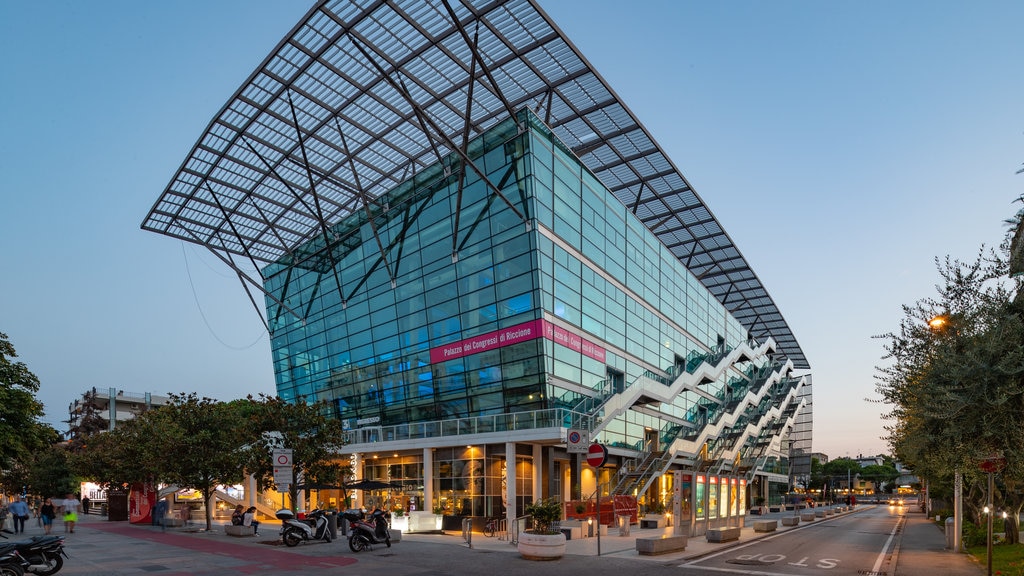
x,y
842,145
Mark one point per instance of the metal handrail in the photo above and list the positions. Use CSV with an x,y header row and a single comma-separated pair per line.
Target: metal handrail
x,y
505,422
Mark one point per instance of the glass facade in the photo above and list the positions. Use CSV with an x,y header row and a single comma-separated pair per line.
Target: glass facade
x,y
533,289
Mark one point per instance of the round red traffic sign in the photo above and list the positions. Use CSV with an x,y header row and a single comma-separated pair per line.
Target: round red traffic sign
x,y
596,455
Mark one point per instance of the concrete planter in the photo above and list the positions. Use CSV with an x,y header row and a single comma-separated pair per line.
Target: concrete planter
x,y
541,546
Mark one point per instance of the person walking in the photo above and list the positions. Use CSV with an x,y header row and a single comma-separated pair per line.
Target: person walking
x,y
47,512
19,513
70,508
160,513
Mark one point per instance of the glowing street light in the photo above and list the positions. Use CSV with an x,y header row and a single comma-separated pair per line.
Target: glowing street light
x,y
939,323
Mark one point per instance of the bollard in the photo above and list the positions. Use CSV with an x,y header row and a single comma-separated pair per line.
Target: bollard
x,y
623,525
332,524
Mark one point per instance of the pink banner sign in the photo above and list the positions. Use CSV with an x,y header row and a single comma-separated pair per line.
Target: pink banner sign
x,y
514,335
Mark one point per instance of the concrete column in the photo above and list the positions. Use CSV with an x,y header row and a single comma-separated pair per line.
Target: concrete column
x,y
677,504
538,473
958,511
357,471
510,482
112,408
428,480
250,490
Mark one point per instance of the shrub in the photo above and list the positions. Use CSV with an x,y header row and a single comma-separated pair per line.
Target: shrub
x,y
974,535
545,513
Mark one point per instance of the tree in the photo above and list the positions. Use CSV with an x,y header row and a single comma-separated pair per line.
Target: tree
x,y
22,434
837,472
51,472
880,474
195,443
313,437
957,386
127,454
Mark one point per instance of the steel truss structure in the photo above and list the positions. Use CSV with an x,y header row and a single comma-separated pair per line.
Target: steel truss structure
x,y
362,94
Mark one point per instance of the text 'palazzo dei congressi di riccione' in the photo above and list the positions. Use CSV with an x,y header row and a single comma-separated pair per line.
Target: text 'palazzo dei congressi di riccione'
x,y
475,254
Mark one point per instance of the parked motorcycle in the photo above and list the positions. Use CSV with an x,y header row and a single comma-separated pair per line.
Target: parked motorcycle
x,y
312,528
10,561
365,532
42,555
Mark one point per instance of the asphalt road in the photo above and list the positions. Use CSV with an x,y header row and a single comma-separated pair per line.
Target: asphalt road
x,y
850,545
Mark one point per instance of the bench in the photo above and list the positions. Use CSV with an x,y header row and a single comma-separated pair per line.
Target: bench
x,y
765,525
807,516
661,544
790,520
723,534
652,521
232,530
819,513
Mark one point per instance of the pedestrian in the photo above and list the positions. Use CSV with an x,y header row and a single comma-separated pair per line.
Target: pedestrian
x,y
238,516
19,513
85,504
159,513
70,508
186,515
47,512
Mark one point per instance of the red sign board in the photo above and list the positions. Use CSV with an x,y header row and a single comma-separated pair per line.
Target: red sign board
x,y
596,455
992,464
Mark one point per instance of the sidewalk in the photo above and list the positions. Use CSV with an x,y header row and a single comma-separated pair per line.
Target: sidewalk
x,y
922,552
104,548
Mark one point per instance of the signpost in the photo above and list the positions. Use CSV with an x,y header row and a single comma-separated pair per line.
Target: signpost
x,y
597,454
576,441
990,466
281,458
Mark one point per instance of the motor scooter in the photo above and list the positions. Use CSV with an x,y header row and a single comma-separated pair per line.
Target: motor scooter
x,y
365,532
312,528
11,563
42,555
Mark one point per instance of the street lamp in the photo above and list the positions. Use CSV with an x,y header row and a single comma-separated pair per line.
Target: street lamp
x,y
938,324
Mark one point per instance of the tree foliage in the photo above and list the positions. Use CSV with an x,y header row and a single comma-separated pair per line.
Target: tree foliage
x,y
305,428
956,387
22,434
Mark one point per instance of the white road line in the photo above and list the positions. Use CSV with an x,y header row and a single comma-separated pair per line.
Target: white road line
x,y
881,555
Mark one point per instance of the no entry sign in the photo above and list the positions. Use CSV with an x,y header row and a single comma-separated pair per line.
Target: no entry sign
x,y
596,455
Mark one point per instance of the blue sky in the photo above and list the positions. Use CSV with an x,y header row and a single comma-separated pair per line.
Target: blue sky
x,y
843,145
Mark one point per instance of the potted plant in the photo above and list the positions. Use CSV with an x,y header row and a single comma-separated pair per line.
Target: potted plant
x,y
544,541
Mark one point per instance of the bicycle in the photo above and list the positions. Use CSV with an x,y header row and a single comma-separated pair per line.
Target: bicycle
x,y
491,527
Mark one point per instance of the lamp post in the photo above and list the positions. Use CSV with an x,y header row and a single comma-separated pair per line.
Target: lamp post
x,y
938,324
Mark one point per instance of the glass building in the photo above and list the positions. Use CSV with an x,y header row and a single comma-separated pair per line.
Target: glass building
x,y
481,286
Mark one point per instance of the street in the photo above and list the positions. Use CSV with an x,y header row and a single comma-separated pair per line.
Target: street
x,y
855,544
866,542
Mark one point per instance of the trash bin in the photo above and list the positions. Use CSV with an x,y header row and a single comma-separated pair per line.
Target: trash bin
x,y
623,524
332,524
950,530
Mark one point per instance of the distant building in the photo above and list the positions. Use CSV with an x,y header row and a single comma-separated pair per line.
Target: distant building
x,y
866,461
100,409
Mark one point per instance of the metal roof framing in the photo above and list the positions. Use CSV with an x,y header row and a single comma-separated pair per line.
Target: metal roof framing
x,y
363,93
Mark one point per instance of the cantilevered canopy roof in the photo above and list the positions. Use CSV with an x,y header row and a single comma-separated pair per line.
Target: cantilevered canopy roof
x,y
363,93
